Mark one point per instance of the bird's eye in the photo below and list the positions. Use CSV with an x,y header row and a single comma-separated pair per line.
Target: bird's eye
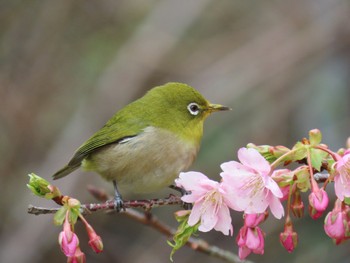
x,y
193,108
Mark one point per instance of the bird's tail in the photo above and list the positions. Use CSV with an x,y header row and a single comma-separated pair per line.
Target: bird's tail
x,y
65,171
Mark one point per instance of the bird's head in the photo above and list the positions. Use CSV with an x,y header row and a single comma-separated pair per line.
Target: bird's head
x,y
181,109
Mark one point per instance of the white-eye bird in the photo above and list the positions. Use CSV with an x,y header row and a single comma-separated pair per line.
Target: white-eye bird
x,y
146,144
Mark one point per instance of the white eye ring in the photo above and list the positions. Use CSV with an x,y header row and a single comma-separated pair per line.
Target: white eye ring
x,y
193,108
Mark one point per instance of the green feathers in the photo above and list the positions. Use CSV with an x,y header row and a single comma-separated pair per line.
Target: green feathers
x,y
174,111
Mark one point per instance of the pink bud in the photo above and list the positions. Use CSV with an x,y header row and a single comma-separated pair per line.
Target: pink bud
x,y
289,238
78,257
318,202
250,240
68,240
95,241
335,225
253,220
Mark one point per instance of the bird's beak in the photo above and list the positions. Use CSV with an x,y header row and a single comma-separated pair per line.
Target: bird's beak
x,y
217,107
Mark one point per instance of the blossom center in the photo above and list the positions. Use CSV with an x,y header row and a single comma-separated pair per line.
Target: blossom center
x,y
212,198
253,185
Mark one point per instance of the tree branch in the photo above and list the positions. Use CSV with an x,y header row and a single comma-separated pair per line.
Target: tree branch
x,y
145,218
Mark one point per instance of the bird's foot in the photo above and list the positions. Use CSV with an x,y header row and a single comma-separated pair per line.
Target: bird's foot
x,y
118,200
118,203
187,206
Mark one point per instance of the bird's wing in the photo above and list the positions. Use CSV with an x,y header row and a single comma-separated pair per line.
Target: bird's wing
x,y
116,130
113,132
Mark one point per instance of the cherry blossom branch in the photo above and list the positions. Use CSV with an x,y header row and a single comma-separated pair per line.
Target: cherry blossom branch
x,y
147,205
153,222
145,218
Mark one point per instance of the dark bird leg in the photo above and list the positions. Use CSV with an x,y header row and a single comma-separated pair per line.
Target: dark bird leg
x,y
118,200
183,192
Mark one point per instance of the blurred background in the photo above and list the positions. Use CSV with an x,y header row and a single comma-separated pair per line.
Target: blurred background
x,y
67,66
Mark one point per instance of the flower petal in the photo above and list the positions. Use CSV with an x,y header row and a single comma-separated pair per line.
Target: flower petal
x,y
230,197
232,166
224,221
195,214
253,159
272,186
190,180
341,189
256,204
276,206
253,240
243,252
208,218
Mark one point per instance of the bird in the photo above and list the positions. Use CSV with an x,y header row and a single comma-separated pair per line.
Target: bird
x,y
146,144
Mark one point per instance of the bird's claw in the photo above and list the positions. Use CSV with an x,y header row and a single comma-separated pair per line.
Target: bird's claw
x,y
118,204
187,206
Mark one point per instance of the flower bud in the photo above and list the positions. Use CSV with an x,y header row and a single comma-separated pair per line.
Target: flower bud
x,y
96,244
289,239
318,202
336,223
315,137
95,241
40,187
253,220
250,240
68,243
335,226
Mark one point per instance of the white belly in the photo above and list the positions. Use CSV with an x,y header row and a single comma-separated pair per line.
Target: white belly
x,y
145,163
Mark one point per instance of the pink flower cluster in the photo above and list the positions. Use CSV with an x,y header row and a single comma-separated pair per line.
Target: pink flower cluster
x,y
252,186
251,237
246,186
69,241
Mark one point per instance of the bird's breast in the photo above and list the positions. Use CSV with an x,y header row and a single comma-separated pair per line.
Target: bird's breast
x,y
144,163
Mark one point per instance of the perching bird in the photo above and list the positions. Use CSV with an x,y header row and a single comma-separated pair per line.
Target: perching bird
x,y
146,144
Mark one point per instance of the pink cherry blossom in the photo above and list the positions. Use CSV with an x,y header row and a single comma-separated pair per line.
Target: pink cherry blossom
x,y
210,205
249,185
68,240
336,223
318,202
250,240
342,177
